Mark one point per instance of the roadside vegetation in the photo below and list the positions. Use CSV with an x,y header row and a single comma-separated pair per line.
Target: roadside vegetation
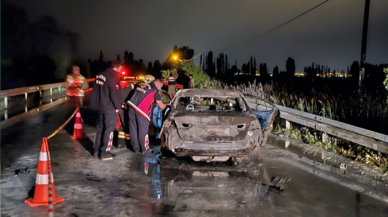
x,y
386,81
201,79
378,161
341,104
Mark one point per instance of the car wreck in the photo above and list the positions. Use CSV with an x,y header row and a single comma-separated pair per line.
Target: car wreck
x,y
214,125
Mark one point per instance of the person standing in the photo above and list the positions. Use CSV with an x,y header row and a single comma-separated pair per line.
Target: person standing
x,y
106,99
191,82
140,106
171,83
75,85
186,80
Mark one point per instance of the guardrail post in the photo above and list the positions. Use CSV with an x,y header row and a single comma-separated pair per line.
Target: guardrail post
x,y
6,102
324,137
6,114
26,109
287,143
288,125
51,91
25,96
40,93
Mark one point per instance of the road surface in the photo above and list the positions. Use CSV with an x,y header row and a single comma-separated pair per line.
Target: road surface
x,y
148,185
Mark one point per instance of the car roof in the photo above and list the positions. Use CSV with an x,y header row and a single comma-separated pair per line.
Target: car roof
x,y
208,93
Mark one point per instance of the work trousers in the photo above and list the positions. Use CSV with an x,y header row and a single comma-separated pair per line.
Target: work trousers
x,y
171,90
106,123
138,129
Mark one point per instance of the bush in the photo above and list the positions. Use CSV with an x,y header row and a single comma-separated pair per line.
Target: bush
x,y
386,81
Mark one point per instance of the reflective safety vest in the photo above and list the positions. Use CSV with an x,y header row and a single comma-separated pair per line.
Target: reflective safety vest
x,y
75,85
171,80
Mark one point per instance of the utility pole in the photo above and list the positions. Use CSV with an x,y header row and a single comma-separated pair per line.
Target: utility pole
x,y
363,50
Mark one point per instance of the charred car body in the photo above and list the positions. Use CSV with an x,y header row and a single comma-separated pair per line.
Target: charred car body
x,y
211,125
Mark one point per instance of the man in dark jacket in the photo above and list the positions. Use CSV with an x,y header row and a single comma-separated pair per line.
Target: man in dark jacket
x,y
140,105
106,99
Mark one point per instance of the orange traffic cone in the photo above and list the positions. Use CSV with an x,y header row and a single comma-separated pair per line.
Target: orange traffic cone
x,y
41,195
78,132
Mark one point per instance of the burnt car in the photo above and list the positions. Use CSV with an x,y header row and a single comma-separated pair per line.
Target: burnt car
x,y
212,125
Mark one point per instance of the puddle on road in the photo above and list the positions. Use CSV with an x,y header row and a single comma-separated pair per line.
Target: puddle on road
x,y
174,192
285,145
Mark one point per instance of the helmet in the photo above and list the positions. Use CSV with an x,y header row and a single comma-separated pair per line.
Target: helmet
x,y
148,79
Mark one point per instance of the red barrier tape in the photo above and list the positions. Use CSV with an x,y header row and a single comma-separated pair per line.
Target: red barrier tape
x,y
87,90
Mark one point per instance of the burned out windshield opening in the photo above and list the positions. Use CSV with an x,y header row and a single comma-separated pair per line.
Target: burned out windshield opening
x,y
211,104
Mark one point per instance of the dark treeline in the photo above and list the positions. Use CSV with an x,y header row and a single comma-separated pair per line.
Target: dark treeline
x,y
43,51
34,53
135,66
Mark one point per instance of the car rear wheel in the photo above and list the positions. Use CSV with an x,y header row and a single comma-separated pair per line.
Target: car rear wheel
x,y
164,151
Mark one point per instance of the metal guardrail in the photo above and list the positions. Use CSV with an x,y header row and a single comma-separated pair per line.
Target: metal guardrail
x,y
32,89
25,91
8,122
358,135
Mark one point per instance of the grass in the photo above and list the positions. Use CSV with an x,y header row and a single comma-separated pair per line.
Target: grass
x,y
341,104
375,159
337,100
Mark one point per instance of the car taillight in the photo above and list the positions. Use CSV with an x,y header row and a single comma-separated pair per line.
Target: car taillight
x,y
122,73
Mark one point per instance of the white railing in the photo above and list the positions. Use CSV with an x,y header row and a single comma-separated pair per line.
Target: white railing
x,y
6,94
32,89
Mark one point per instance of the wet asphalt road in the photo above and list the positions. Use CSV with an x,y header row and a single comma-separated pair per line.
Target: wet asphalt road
x,y
147,185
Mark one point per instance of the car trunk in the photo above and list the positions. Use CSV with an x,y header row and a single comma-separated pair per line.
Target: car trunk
x,y
208,127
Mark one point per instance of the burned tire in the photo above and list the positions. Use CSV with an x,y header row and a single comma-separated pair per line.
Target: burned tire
x,y
164,151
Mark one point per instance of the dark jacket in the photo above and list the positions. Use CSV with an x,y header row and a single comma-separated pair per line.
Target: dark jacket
x,y
106,94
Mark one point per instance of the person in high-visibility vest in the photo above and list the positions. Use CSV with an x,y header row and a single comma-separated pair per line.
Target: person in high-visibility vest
x,y
171,83
75,85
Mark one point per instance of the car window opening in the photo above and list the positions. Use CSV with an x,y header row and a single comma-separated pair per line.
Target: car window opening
x,y
210,104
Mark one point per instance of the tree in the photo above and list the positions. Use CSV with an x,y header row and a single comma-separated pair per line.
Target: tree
x,y
231,72
263,70
43,50
221,64
290,67
275,72
210,67
355,70
244,68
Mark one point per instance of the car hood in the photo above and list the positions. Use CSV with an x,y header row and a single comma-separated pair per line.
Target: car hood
x,y
211,126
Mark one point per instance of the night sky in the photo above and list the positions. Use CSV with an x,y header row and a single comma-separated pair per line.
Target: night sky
x,y
327,35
